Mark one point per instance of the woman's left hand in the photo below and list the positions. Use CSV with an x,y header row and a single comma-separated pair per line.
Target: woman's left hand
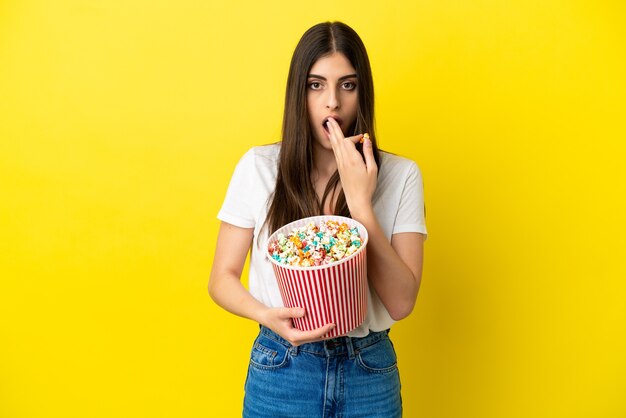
x,y
358,177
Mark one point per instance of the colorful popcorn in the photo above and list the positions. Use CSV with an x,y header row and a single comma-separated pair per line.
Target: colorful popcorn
x,y
316,245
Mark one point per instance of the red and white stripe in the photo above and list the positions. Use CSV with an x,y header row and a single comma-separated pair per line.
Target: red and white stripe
x,y
336,293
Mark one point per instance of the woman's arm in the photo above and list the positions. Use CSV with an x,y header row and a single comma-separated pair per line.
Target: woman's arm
x,y
225,288
394,269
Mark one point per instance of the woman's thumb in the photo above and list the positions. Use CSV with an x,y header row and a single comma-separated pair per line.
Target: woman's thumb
x,y
368,152
291,313
297,312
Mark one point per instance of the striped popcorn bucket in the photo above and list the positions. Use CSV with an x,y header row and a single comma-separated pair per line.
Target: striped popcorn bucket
x,y
331,293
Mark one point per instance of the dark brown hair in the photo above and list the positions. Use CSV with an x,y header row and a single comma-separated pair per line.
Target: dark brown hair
x,y
294,196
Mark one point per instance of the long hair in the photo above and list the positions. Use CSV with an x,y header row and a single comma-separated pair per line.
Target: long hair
x,y
294,196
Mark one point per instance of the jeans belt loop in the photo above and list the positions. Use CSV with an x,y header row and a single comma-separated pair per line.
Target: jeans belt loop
x,y
294,350
350,348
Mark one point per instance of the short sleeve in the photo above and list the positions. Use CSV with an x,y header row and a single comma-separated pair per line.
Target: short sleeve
x,y
411,211
237,209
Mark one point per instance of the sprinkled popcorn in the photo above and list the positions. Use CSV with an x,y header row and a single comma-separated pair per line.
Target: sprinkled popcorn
x,y
364,137
314,245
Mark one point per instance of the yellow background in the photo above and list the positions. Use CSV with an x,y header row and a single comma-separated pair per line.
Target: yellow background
x,y
121,123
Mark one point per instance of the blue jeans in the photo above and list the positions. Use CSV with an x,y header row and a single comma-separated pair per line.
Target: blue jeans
x,y
341,377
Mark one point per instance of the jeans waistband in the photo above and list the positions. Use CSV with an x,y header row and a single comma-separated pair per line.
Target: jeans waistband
x,y
331,346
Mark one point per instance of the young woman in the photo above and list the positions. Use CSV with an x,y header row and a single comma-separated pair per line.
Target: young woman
x,y
320,167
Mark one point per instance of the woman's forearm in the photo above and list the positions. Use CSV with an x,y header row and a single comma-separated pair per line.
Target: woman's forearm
x,y
394,282
228,292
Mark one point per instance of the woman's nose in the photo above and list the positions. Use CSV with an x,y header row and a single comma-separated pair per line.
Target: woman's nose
x,y
332,100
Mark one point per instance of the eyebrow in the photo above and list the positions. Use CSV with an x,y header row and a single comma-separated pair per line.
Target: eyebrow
x,y
324,78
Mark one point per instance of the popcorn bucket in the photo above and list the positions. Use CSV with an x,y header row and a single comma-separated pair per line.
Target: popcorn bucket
x,y
330,293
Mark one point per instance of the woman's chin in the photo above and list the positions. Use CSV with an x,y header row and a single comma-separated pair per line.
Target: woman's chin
x,y
324,143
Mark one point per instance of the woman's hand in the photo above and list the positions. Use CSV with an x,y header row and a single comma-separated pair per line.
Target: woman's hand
x,y
279,321
227,291
358,177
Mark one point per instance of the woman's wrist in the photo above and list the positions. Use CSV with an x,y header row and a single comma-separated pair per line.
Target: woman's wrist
x,y
363,213
260,313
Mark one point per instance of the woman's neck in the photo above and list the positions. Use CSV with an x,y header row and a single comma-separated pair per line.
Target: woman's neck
x,y
324,163
324,166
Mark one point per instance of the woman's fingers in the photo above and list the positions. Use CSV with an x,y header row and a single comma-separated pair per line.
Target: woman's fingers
x,y
356,138
283,326
335,136
333,127
353,167
304,337
344,150
286,313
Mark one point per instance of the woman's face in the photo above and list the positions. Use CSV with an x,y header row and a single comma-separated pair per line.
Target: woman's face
x,y
332,90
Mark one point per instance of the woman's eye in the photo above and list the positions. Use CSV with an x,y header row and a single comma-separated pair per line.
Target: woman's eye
x,y
314,85
349,85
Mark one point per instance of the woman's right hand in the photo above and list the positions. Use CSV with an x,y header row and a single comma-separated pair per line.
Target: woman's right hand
x,y
279,321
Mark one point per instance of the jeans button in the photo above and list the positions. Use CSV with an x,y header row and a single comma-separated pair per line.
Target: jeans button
x,y
332,344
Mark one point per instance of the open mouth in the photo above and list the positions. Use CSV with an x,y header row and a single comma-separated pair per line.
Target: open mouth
x,y
339,121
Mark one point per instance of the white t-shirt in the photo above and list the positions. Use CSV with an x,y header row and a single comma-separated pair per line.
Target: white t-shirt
x,y
398,203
